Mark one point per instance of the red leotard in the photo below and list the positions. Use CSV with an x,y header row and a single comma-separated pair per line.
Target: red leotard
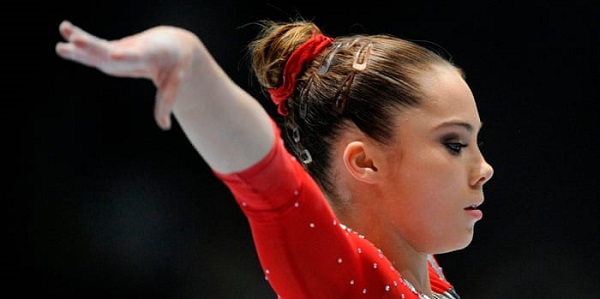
x,y
304,250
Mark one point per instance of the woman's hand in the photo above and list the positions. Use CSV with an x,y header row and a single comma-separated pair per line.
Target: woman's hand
x,y
226,125
161,54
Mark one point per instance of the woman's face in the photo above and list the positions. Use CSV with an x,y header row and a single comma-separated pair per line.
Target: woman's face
x,y
435,171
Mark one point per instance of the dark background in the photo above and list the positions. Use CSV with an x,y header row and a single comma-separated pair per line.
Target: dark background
x,y
103,204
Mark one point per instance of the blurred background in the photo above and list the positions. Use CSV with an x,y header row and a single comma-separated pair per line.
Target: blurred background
x,y
103,204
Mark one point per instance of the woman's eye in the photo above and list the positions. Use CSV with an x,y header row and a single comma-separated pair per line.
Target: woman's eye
x,y
454,147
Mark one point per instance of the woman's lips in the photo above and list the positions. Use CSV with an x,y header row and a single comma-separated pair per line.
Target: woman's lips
x,y
474,212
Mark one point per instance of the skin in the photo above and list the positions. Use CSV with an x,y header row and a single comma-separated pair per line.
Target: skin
x,y
190,86
411,198
408,198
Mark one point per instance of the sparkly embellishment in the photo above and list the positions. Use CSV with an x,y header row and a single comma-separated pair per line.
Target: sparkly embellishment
x,y
364,291
359,250
339,260
244,203
312,225
374,265
436,267
409,285
334,222
351,281
296,204
296,192
387,288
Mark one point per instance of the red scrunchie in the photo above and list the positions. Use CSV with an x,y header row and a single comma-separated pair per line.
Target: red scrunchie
x,y
304,53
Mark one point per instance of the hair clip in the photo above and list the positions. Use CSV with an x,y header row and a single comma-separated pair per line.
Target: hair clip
x,y
324,67
341,96
353,42
296,134
305,156
303,102
364,51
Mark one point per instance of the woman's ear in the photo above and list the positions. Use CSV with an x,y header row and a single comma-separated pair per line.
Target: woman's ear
x,y
359,162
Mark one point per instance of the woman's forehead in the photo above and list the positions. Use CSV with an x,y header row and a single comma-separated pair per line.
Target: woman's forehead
x,y
446,99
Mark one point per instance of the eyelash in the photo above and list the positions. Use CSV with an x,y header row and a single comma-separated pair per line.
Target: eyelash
x,y
455,147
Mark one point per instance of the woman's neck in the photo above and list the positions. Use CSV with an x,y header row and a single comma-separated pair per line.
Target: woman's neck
x,y
413,266
410,263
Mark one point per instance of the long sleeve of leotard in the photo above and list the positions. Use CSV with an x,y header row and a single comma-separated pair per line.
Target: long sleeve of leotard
x,y
305,252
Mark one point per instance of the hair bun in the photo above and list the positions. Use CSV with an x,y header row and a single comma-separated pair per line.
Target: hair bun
x,y
273,47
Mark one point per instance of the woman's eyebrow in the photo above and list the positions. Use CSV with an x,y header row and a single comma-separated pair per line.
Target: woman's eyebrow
x,y
467,126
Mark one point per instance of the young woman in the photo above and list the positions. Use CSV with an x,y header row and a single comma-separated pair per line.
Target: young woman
x,y
379,169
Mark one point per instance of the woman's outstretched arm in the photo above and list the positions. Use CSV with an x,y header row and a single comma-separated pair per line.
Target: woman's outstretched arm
x,y
228,127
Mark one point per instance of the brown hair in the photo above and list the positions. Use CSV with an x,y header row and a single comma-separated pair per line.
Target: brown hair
x,y
362,79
